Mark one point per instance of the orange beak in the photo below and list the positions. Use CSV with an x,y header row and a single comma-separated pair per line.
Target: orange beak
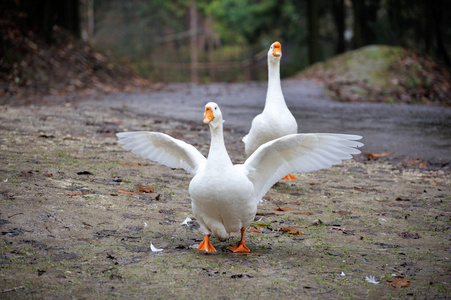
x,y
208,115
276,49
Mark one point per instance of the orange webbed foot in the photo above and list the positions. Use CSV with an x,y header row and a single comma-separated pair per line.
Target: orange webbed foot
x,y
240,247
206,245
289,177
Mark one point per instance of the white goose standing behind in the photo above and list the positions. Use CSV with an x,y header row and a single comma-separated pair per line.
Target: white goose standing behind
x,y
276,119
225,196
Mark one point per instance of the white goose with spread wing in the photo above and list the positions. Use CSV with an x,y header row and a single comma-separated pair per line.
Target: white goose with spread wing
x,y
225,196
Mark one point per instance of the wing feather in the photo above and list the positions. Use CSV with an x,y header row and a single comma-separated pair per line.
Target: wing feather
x,y
163,149
297,153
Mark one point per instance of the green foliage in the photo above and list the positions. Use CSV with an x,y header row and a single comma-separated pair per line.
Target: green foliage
x,y
245,17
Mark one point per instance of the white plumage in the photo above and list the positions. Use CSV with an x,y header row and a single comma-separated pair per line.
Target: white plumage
x,y
276,119
225,196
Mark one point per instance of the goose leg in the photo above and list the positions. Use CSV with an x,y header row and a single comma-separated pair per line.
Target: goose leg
x,y
206,245
240,247
289,177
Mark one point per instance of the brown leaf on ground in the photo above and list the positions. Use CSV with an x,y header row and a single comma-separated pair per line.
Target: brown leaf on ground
x,y
416,163
126,163
121,191
282,208
376,156
253,229
307,213
48,175
399,282
291,230
74,194
146,189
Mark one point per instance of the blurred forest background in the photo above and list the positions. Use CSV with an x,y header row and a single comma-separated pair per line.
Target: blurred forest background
x,y
229,39
208,40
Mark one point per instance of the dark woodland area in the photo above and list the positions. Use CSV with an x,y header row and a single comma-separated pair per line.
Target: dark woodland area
x,y
61,46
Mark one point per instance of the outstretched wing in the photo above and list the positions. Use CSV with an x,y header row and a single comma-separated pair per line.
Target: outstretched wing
x,y
297,153
163,149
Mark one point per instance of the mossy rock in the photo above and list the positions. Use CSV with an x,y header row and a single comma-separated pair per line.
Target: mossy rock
x,y
383,74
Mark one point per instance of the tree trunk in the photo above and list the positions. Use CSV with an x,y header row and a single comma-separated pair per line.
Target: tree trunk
x,y
394,9
91,23
339,19
437,19
358,14
313,31
68,16
369,22
193,41
208,28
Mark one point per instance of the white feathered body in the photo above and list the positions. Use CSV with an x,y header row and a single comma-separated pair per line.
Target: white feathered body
x,y
269,125
223,201
276,120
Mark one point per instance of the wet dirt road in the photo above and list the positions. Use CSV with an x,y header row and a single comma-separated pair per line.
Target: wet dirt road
x,y
410,131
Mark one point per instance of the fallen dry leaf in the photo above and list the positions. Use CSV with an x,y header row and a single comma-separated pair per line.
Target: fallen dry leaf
x,y
291,230
282,208
416,163
48,175
376,156
253,229
399,282
307,213
74,194
146,189
125,163
121,191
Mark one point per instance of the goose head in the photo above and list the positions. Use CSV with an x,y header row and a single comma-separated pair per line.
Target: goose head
x,y
213,115
275,52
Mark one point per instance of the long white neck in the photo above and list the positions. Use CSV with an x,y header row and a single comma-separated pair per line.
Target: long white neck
x,y
218,155
274,95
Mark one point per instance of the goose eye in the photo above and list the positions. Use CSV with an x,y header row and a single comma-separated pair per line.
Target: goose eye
x,y
216,108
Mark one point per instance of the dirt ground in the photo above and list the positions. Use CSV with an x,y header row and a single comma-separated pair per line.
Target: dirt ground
x,y
74,224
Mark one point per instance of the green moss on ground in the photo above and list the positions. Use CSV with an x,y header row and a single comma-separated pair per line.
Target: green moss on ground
x,y
383,74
